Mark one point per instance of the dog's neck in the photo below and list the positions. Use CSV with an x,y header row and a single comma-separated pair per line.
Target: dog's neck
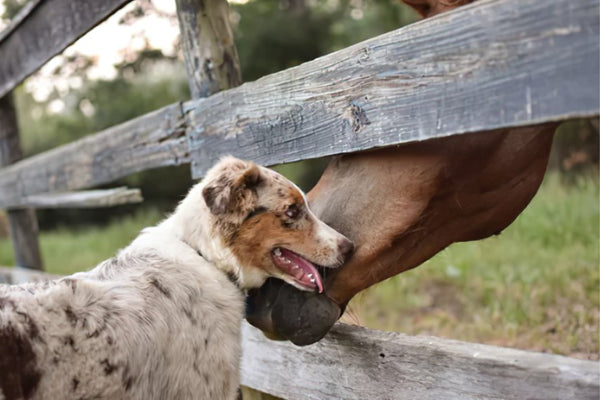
x,y
193,224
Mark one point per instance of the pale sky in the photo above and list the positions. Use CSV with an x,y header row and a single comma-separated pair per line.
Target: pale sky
x,y
108,44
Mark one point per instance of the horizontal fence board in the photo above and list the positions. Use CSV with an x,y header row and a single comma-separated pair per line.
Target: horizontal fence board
x,y
489,65
44,30
18,275
84,199
153,140
358,363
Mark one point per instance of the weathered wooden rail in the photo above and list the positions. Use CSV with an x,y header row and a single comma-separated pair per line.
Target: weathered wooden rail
x,y
43,29
494,64
354,363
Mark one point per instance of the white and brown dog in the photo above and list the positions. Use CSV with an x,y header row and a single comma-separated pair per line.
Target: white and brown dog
x,y
161,320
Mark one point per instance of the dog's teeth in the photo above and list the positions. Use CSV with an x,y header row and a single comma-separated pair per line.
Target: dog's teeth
x,y
277,252
311,276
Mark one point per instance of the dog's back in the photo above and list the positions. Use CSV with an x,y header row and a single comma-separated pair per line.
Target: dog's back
x,y
139,326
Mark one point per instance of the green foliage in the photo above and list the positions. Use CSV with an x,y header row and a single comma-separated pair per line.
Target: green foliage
x,y
112,102
122,99
67,250
304,173
12,8
273,35
271,39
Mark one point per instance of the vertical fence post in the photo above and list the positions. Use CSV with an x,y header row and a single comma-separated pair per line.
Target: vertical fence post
x,y
23,222
211,58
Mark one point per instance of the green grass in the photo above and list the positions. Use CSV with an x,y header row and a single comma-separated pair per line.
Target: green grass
x,y
66,251
536,286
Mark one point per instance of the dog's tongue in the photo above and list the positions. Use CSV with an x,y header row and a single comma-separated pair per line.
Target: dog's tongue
x,y
302,270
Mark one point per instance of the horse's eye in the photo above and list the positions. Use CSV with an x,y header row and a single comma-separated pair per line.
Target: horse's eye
x,y
293,211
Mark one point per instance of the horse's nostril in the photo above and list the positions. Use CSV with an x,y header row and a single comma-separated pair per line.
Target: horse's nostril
x,y
346,247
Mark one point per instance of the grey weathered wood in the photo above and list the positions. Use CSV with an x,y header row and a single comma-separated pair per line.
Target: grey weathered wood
x,y
358,363
24,232
23,223
153,140
489,65
84,199
16,275
211,58
44,30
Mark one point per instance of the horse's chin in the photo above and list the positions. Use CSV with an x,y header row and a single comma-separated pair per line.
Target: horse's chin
x,y
283,312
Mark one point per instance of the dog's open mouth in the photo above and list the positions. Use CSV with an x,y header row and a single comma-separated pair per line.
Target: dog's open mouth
x,y
303,272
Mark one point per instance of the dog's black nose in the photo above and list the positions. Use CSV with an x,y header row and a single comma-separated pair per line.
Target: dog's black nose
x,y
346,247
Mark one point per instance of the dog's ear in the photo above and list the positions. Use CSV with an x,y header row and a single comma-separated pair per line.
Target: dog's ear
x,y
249,179
229,191
217,198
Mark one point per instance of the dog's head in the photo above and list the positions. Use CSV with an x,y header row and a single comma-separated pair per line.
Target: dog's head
x,y
264,220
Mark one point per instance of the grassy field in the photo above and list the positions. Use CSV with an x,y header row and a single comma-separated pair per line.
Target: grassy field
x,y
536,286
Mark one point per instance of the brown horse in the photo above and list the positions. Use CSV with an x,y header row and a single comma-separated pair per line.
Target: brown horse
x,y
401,205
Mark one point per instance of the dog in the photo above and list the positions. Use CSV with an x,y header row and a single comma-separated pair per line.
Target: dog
x,y
162,319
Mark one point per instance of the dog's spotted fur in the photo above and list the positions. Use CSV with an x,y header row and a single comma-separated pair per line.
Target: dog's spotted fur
x,y
161,320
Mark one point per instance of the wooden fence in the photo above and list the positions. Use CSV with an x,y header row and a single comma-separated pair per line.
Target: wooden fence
x,y
493,64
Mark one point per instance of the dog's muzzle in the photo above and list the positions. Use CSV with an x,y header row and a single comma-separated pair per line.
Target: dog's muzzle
x,y
283,312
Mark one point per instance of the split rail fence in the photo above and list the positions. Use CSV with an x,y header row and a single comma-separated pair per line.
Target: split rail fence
x,y
493,64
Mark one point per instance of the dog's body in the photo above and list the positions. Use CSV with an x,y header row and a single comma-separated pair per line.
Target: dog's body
x,y
161,320
136,326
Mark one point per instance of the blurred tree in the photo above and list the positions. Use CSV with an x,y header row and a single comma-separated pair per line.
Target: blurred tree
x,y
95,106
576,148
272,35
12,8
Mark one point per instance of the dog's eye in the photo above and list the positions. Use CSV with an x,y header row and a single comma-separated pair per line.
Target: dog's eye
x,y
293,211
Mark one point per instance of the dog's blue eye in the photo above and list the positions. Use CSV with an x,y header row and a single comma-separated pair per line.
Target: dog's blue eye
x,y
293,211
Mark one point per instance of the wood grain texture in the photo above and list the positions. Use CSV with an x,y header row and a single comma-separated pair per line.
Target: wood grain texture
x,y
211,59
44,30
153,140
24,231
357,363
84,199
16,275
23,223
488,65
